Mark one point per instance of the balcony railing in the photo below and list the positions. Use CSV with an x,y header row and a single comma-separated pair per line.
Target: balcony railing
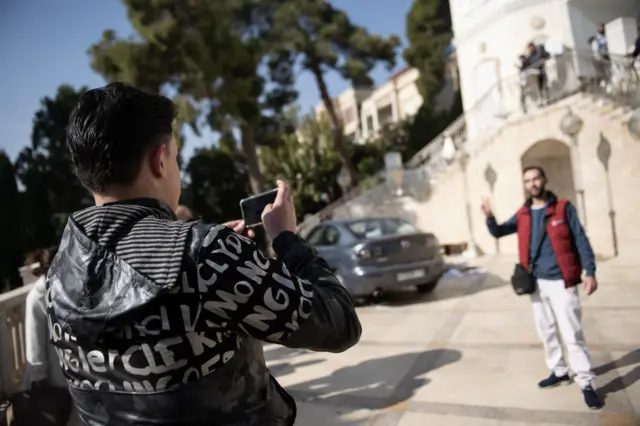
x,y
567,74
12,334
12,339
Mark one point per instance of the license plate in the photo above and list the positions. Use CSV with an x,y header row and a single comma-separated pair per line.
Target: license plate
x,y
411,275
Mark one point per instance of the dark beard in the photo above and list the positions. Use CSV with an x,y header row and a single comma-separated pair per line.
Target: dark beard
x,y
539,194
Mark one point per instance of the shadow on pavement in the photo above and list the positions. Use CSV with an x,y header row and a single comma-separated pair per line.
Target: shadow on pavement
x,y
276,352
374,384
285,368
450,286
323,415
622,382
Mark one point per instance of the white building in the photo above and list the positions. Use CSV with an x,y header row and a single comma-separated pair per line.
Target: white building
x,y
365,111
348,105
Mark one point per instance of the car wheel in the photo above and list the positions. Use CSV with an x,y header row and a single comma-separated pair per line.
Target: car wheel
x,y
426,288
361,301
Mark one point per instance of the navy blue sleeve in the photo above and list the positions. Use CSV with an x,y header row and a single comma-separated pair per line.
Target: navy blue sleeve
x,y
503,229
585,251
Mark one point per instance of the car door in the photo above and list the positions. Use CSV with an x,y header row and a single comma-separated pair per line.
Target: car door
x,y
328,245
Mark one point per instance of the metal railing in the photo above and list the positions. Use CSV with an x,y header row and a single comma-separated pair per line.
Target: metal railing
x,y
12,339
566,74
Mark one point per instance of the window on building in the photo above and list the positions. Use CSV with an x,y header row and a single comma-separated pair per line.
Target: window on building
x,y
385,115
370,123
348,115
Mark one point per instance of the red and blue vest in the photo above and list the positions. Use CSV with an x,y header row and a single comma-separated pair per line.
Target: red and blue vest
x,y
560,237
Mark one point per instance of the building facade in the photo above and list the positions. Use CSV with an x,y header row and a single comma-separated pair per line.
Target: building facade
x,y
491,34
585,132
364,112
348,106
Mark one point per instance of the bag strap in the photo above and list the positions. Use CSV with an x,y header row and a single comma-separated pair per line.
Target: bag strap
x,y
6,412
541,236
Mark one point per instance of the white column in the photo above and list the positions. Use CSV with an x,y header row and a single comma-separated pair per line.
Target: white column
x,y
472,250
578,181
376,123
621,35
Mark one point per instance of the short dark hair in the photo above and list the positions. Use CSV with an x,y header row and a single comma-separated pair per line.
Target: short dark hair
x,y
110,130
44,257
538,168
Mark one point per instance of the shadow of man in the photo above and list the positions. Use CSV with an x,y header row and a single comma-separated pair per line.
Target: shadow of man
x,y
376,383
286,368
457,282
620,383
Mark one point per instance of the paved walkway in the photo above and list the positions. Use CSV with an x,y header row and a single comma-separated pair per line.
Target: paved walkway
x,y
468,355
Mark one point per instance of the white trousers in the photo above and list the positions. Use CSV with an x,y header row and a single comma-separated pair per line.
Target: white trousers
x,y
557,314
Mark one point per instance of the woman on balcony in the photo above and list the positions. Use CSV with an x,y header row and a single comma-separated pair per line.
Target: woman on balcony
x,y
42,360
43,365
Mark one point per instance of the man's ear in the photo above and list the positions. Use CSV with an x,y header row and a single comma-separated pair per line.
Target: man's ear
x,y
157,160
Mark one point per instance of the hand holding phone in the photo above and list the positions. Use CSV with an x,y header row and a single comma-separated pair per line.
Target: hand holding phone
x,y
276,210
252,207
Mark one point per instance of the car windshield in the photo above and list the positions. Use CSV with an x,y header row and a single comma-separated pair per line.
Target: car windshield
x,y
374,228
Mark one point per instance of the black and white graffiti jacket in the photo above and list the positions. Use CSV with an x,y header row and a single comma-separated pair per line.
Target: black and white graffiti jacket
x,y
161,322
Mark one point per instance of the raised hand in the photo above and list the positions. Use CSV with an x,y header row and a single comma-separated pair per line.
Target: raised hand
x,y
486,207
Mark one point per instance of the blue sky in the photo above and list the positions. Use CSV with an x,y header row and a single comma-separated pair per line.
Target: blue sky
x,y
43,44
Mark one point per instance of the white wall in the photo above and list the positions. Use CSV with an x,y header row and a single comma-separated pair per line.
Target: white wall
x,y
495,32
489,50
584,16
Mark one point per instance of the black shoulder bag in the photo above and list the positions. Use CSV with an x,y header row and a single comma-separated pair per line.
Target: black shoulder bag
x,y
522,280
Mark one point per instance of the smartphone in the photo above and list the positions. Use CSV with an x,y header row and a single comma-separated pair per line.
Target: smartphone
x,y
253,207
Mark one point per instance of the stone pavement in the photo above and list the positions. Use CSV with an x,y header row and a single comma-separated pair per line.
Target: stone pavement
x,y
468,355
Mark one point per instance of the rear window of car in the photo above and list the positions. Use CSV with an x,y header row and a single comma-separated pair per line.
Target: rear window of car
x,y
374,228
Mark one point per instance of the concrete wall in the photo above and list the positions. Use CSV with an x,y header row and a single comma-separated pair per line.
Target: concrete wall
x,y
534,139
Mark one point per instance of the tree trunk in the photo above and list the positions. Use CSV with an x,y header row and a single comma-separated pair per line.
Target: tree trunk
x,y
338,135
249,148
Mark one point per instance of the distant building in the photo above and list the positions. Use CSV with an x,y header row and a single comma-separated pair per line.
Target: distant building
x,y
348,106
365,111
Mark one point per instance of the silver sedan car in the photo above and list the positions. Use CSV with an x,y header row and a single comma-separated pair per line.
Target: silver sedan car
x,y
376,255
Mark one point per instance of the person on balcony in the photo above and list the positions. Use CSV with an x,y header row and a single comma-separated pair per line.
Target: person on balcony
x,y
535,60
636,47
521,65
43,366
43,363
554,248
601,57
161,321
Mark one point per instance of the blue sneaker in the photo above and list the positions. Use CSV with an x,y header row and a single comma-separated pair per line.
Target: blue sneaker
x,y
554,380
591,398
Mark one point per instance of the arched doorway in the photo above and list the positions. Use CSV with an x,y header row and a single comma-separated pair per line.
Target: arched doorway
x,y
555,158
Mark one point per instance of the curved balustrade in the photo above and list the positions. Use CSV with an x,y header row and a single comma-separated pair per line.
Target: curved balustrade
x,y
12,343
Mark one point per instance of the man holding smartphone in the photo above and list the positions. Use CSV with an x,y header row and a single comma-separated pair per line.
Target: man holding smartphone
x,y
159,321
